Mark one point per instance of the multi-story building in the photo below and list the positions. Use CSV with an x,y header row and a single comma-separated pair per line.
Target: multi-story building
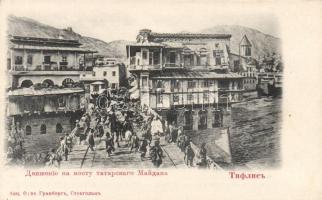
x,y
244,64
180,75
111,76
45,60
45,96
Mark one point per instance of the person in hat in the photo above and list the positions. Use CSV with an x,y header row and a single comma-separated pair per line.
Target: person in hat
x,y
91,141
68,141
203,155
100,129
189,155
109,144
156,154
143,148
157,127
64,148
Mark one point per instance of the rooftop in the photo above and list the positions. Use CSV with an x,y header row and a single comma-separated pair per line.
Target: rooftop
x,y
245,41
52,48
44,41
187,35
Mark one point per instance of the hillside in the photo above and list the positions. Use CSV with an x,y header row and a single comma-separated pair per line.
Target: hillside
x,y
262,43
28,27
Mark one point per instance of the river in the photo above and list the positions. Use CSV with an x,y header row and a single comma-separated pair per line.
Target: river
x,y
254,134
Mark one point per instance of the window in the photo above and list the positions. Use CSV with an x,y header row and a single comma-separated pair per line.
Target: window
x,y
64,58
203,60
43,129
217,45
144,55
67,82
159,84
236,64
198,60
113,85
205,84
210,83
96,88
190,97
94,73
188,60
18,60
28,130
104,73
113,73
159,98
47,59
29,59
59,128
156,58
205,96
172,57
248,51
217,120
191,84
150,58
61,102
218,54
175,84
175,98
144,81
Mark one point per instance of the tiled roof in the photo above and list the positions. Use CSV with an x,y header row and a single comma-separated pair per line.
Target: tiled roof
x,y
42,92
194,75
188,35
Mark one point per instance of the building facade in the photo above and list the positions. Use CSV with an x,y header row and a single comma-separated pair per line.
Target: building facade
x,y
45,96
45,60
107,76
185,77
244,64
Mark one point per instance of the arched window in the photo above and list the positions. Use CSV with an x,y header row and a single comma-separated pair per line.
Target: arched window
x,y
67,82
43,129
59,128
26,83
48,83
28,130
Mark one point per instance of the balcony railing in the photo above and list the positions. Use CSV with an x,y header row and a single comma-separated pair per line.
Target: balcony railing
x,y
63,66
174,65
231,89
145,67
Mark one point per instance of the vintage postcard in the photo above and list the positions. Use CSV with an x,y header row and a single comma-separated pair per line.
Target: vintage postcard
x,y
161,100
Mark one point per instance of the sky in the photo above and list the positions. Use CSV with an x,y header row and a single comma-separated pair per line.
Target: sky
x,y
121,20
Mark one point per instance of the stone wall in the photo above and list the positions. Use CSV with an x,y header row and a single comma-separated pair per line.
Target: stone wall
x,y
37,142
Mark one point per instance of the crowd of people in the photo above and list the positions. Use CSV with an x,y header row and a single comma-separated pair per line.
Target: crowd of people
x,y
15,151
139,128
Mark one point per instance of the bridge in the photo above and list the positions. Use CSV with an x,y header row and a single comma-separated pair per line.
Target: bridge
x,y
83,157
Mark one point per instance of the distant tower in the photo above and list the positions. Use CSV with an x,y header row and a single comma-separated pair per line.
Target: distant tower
x,y
245,47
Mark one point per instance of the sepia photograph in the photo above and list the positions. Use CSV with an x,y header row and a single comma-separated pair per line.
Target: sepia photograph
x,y
183,99
205,99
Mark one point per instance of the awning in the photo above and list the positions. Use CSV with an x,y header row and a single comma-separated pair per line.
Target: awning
x,y
98,83
43,92
195,75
